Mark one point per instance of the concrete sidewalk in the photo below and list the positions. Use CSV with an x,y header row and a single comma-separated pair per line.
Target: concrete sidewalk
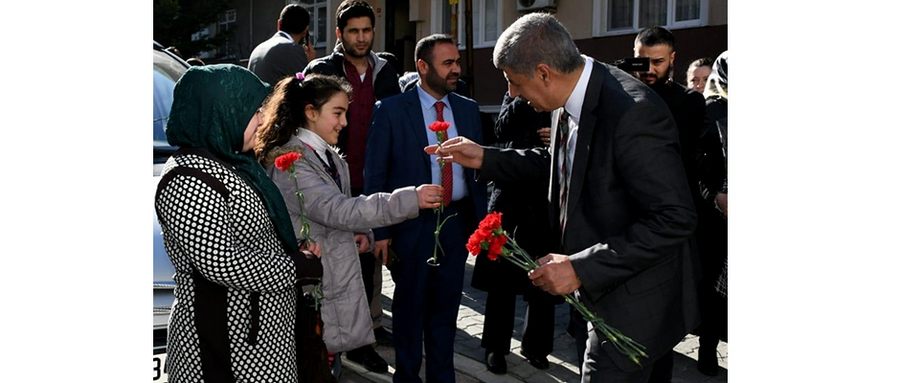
x,y
563,361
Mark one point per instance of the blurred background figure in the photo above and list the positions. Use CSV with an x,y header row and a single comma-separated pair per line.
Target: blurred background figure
x,y
408,80
687,107
713,235
287,51
392,60
698,73
524,208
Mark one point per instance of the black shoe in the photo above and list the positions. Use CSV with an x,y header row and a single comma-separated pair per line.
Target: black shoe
x,y
539,362
708,361
368,358
495,362
384,337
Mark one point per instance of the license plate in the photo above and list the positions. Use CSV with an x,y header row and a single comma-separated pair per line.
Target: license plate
x,y
159,364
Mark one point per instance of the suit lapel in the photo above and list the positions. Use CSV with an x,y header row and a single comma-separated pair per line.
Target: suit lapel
x,y
459,115
586,128
416,121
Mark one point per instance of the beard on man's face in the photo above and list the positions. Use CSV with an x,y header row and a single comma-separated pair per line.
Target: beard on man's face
x,y
652,79
441,84
350,49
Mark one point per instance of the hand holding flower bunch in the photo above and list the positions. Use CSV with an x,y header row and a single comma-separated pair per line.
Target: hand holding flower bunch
x,y
491,237
440,130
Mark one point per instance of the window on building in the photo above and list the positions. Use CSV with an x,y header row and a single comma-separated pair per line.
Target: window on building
x,y
202,34
485,21
318,23
226,23
440,16
629,16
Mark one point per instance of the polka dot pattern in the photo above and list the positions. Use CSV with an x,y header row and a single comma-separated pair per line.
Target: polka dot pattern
x,y
231,241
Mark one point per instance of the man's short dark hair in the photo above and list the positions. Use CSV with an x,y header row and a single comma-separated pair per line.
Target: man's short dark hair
x,y
294,19
351,9
655,36
425,46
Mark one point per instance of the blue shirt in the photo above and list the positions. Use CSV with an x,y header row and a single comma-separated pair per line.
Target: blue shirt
x,y
430,114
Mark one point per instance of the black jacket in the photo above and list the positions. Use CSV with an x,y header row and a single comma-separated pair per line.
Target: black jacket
x,y
523,204
630,213
386,82
688,109
713,168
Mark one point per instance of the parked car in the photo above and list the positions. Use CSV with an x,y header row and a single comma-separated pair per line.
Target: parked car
x,y
167,69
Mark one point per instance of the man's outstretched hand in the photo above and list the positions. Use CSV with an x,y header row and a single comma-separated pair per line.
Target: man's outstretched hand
x,y
460,150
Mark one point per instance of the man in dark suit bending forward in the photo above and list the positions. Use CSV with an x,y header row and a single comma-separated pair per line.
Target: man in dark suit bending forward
x,y
619,198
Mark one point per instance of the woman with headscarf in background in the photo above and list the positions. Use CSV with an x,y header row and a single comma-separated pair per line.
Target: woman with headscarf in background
x,y
229,236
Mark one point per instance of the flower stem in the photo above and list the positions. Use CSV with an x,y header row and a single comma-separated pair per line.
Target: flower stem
x,y
634,351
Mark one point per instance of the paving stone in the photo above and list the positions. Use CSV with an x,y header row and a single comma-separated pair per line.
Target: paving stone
x,y
563,360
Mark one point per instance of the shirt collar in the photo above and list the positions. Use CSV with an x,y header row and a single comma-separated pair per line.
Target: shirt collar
x,y
576,99
313,140
427,100
285,35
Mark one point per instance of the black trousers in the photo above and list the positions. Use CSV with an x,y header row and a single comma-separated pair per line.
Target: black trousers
x,y
499,319
367,264
602,369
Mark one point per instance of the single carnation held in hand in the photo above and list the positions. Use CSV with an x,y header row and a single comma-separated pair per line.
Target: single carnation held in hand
x,y
285,161
439,126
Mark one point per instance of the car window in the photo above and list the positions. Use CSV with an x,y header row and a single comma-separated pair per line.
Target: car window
x,y
166,71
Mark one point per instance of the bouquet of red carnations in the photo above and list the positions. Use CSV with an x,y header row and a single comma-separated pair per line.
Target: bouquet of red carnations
x,y
491,237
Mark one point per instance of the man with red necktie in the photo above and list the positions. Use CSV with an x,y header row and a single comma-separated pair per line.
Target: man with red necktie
x,y
426,298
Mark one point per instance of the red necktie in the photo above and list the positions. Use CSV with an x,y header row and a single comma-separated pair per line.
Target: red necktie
x,y
447,168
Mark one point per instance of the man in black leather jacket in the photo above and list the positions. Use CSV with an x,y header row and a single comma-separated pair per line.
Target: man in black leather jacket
x,y
688,108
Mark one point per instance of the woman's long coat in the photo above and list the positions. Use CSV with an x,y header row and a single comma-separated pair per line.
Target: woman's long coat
x,y
334,218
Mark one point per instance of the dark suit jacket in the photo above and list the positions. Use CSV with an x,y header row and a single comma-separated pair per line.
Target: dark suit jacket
x,y
395,157
629,215
277,58
523,204
688,108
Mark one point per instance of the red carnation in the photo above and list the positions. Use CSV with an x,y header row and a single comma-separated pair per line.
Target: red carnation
x,y
491,222
496,248
285,161
487,237
439,126
490,236
474,244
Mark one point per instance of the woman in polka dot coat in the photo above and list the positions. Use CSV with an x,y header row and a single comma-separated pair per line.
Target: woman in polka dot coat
x,y
228,233
306,117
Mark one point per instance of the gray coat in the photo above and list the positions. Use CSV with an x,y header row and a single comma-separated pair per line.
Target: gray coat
x,y
277,58
334,217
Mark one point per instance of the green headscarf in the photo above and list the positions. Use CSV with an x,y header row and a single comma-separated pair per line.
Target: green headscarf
x,y
211,109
